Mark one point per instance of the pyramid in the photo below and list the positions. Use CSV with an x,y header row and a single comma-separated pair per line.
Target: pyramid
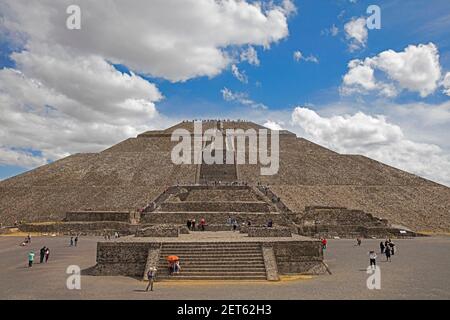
x,y
132,173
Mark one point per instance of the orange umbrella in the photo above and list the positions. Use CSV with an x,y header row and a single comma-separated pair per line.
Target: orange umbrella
x,y
172,258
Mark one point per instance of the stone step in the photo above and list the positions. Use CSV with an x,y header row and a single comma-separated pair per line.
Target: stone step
x,y
215,264
222,273
214,277
222,259
209,250
219,270
202,254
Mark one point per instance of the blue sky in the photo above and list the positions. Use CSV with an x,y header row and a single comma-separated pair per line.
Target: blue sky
x,y
278,82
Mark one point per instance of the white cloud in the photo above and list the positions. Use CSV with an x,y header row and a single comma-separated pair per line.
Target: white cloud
x,y
250,55
165,38
20,158
241,76
446,84
64,97
376,138
241,98
273,125
64,104
298,56
356,32
416,69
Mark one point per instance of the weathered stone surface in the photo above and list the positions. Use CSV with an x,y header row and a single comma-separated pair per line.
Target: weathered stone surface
x,y
158,231
270,262
98,216
269,232
152,261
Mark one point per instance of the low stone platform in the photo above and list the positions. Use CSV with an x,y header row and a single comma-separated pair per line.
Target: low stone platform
x,y
211,255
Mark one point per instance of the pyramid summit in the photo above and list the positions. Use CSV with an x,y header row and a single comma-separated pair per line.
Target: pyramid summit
x,y
136,171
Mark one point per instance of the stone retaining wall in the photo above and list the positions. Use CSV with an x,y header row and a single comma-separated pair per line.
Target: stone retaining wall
x,y
211,217
83,216
205,206
84,228
130,258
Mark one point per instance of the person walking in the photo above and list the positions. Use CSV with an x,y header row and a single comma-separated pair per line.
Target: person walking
x,y
30,259
387,252
47,254
42,255
392,247
188,224
373,259
29,238
324,243
151,275
76,241
193,224
382,247
71,241
358,241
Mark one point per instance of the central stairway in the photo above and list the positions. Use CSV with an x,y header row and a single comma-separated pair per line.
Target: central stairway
x,y
214,261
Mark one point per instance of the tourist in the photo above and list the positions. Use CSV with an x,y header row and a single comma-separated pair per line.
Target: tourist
x,y
71,241
76,240
249,223
392,247
382,247
270,223
171,267
28,238
193,224
235,225
30,259
387,252
47,254
42,255
202,224
229,221
324,243
176,267
358,241
373,259
188,224
151,275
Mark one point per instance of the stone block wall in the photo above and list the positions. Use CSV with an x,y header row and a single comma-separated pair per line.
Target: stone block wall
x,y
211,217
299,257
205,206
123,258
83,216
84,228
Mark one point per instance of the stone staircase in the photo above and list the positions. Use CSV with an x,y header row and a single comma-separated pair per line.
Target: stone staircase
x,y
214,261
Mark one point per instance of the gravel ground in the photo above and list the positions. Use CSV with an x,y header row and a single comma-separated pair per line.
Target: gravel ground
x,y
419,270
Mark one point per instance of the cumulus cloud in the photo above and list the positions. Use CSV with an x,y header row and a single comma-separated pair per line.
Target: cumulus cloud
x,y
169,39
273,125
416,69
376,138
241,98
64,94
357,34
42,108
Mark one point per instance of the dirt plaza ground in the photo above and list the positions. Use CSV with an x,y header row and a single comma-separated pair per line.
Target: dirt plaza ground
x,y
419,270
